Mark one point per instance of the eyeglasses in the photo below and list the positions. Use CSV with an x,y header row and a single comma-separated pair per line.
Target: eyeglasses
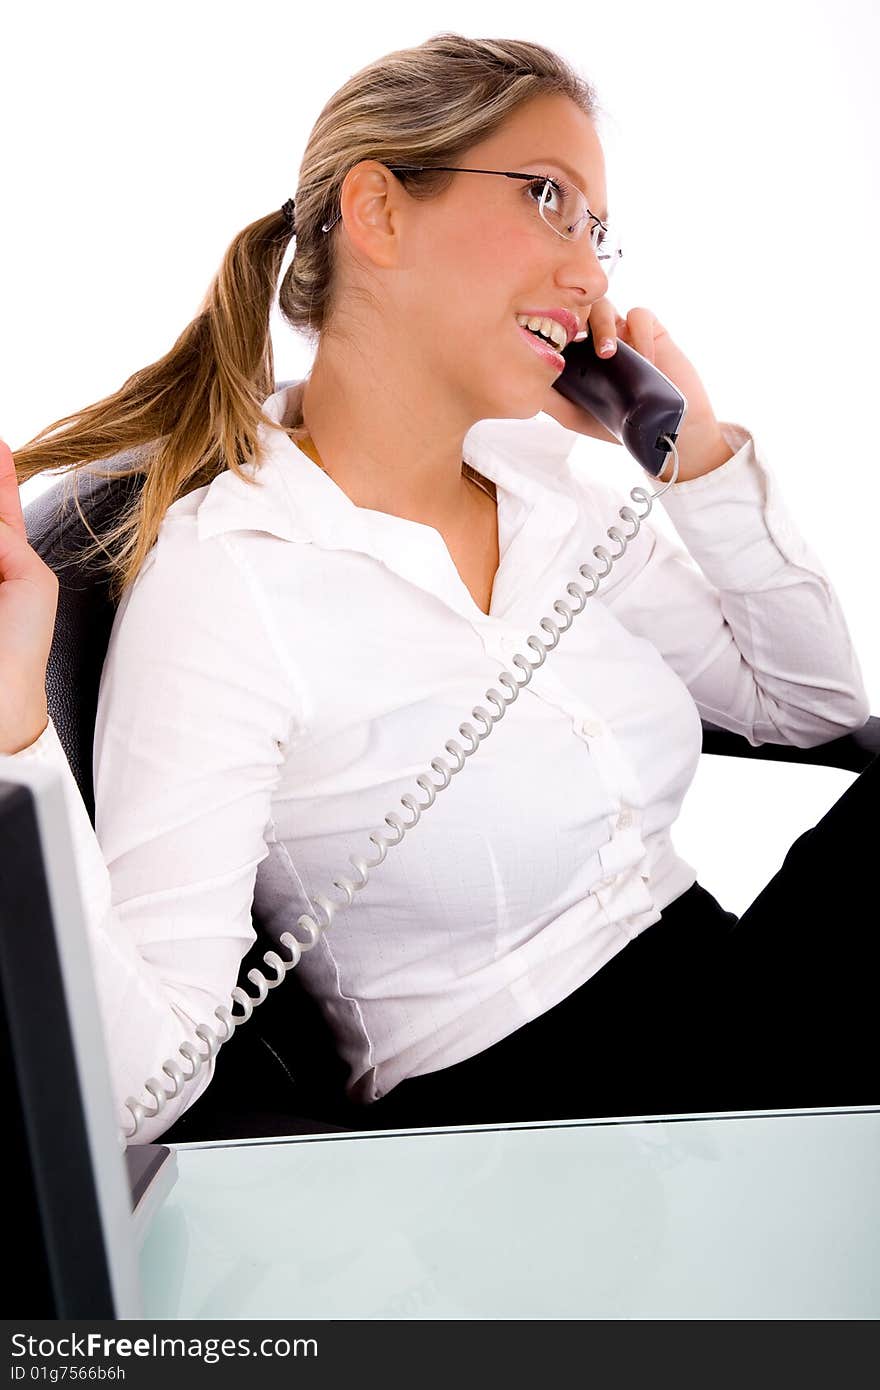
x,y
569,217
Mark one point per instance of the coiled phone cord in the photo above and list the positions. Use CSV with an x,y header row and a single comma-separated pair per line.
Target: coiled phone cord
x,y
213,1040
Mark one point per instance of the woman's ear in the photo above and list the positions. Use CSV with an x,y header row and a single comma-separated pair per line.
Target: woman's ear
x,y
370,201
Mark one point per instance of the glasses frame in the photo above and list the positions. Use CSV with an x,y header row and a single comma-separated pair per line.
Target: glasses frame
x,y
505,174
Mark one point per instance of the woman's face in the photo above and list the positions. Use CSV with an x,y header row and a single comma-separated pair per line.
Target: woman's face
x,y
473,258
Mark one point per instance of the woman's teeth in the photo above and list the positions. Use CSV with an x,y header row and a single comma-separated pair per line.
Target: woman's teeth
x,y
549,329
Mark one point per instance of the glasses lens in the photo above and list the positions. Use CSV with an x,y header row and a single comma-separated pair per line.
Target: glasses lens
x,y
565,209
607,248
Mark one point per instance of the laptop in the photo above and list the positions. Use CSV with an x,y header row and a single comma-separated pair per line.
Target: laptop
x,y
82,1200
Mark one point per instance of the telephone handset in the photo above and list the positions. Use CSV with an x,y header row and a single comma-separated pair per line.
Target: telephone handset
x,y
628,395
641,408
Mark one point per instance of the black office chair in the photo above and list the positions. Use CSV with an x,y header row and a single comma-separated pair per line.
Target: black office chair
x,y
282,1065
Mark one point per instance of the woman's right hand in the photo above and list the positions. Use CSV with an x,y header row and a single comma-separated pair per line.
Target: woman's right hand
x,y
28,603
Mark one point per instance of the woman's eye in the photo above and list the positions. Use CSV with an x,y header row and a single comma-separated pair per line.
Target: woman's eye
x,y
555,190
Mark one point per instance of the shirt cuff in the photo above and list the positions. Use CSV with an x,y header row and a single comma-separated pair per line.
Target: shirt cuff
x,y
43,749
90,864
734,519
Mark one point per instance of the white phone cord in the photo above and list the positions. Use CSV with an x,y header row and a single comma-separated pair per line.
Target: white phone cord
x,y
248,1003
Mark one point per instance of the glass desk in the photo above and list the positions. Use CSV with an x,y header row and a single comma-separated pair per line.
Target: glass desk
x,y
742,1215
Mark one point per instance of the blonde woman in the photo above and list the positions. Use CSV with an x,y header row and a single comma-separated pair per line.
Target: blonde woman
x,y
317,586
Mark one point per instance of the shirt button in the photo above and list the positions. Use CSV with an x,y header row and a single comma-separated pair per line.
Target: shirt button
x,y
605,882
591,728
624,820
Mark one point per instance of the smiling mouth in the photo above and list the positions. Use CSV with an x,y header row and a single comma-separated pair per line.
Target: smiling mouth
x,y
540,345
535,333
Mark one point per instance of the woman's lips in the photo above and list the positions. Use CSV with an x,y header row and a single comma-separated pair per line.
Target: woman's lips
x,y
543,349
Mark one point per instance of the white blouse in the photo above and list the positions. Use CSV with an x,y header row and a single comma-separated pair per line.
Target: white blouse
x,y
288,663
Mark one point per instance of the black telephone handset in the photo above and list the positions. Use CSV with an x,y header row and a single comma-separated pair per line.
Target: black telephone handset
x,y
628,395
640,407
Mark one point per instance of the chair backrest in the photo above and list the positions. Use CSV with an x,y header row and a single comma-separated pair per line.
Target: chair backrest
x,y
85,612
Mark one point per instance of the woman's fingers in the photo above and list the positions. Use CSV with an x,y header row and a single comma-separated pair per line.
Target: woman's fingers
x,y
637,330
603,319
10,500
18,560
28,604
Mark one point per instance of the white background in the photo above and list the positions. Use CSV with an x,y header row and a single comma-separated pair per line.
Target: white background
x,y
742,170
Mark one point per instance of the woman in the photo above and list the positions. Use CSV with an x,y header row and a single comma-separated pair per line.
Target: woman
x,y
316,585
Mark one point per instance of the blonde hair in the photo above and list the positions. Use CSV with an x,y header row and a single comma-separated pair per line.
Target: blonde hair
x,y
196,410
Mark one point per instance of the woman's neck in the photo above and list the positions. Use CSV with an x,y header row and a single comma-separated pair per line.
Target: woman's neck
x,y
384,438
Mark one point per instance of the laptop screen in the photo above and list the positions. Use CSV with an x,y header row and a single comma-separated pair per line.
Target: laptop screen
x,y
66,1170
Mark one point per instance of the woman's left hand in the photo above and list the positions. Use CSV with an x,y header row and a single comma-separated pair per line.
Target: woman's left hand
x,y
644,332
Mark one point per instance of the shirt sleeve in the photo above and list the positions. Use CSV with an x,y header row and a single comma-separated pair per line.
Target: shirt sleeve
x,y
195,709
745,614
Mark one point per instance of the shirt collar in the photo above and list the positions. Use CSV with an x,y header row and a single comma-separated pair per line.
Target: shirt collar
x,y
293,499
